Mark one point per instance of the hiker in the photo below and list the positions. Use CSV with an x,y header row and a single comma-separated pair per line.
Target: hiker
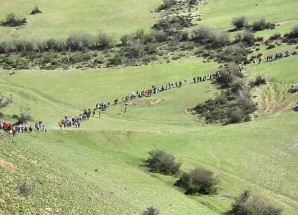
x,y
180,83
36,126
60,124
44,128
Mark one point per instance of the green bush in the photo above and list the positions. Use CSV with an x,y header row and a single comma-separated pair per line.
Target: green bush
x,y
198,181
206,34
103,41
240,22
294,32
259,81
166,5
246,204
231,106
116,60
228,75
78,41
14,20
261,24
248,38
35,11
162,162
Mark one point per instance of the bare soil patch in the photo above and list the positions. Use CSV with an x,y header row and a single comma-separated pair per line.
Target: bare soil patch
x,y
9,167
147,102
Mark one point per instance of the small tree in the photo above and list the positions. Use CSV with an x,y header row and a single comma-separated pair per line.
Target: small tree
x,y
240,22
246,204
162,162
198,181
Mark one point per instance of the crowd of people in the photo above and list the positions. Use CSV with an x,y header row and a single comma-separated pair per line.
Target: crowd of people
x,y
154,89
278,56
75,120
18,128
270,58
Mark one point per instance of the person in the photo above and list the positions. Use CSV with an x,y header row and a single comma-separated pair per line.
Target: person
x,y
93,112
30,128
98,114
125,108
14,130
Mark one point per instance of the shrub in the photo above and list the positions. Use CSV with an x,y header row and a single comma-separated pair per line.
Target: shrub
x,y
205,34
151,211
246,204
35,11
116,60
1,115
235,53
261,24
78,41
270,46
125,39
228,75
248,38
166,5
275,36
103,40
25,117
239,22
160,36
52,44
14,20
24,189
198,181
162,162
135,49
231,106
294,32
259,81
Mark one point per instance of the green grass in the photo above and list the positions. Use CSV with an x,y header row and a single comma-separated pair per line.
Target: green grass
x,y
60,18
99,169
117,144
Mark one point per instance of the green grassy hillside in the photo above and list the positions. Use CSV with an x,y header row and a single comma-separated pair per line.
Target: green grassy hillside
x,y
99,168
60,18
